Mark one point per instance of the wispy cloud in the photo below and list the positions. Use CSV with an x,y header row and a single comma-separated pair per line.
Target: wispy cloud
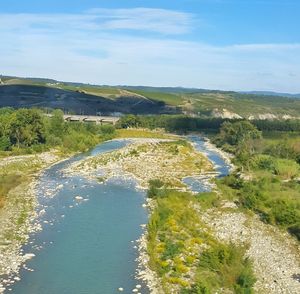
x,y
139,46
138,19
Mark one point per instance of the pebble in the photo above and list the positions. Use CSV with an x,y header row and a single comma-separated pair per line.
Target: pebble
x,y
121,289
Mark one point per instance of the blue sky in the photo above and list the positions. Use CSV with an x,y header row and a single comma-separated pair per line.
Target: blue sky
x,y
216,44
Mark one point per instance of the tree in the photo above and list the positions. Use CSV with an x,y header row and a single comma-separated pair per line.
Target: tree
x,y
129,120
27,128
57,124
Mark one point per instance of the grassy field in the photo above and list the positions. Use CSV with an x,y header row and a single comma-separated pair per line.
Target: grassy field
x,y
170,99
244,105
92,90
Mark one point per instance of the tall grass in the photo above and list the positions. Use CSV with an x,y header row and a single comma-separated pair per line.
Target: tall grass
x,y
7,183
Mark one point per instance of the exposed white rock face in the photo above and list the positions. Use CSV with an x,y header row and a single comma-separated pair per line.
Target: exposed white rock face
x,y
267,116
224,113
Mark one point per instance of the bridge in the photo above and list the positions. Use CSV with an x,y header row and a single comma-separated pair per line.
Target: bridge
x,y
102,120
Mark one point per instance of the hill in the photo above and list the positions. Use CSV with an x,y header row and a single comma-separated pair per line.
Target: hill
x,y
270,93
76,99
92,99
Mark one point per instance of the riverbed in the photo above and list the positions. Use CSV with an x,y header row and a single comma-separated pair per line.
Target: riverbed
x,y
88,242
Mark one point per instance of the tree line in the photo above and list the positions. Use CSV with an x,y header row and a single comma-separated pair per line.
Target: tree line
x,y
26,130
182,123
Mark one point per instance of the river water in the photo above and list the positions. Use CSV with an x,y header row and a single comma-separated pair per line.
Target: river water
x,y
87,246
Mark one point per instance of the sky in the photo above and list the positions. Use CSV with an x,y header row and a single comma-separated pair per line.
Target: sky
x,y
212,44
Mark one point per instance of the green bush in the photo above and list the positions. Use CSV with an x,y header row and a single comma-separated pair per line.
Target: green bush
x,y
171,250
263,162
202,287
5,143
107,129
286,168
208,199
295,230
155,189
229,267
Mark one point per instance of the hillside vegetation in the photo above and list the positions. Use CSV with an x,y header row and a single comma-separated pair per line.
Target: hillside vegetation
x,y
90,99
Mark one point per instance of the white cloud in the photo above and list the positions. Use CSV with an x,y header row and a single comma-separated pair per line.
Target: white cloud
x,y
138,19
91,47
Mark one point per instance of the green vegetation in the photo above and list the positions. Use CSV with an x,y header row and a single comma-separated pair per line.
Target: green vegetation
x,y
181,100
184,123
183,252
171,99
90,90
29,131
267,180
142,133
7,183
243,104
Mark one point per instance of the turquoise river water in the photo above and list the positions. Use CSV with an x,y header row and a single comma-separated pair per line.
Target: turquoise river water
x,y
87,246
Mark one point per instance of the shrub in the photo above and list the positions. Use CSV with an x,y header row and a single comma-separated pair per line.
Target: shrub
x,y
286,168
171,250
202,287
155,189
5,143
295,230
264,162
107,129
228,265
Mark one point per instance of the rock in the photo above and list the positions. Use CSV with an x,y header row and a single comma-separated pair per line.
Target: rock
x,y
120,289
138,286
78,198
28,256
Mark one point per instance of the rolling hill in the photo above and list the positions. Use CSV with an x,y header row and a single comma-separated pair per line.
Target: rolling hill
x,y
92,99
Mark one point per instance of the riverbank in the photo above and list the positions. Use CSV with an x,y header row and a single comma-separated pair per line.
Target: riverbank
x,y
275,254
18,217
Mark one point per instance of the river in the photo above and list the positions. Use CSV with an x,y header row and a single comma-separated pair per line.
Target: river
x,y
87,246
